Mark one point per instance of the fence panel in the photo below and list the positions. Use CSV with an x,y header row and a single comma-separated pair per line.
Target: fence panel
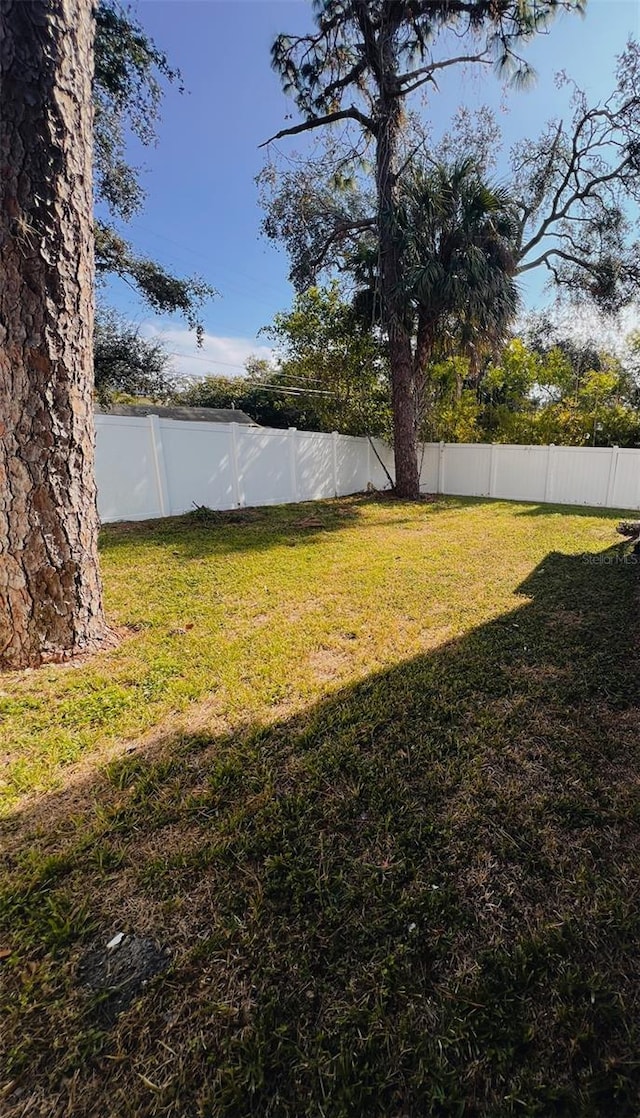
x,y
467,470
352,464
430,468
198,465
315,469
125,469
520,472
625,488
580,475
265,469
381,464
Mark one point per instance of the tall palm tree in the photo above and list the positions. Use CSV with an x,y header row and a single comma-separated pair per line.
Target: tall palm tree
x,y
459,244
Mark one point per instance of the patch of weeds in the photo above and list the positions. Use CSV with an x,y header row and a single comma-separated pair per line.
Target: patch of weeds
x,y
106,858
43,920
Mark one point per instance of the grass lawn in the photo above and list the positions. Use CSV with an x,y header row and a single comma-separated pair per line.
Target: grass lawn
x,y
368,773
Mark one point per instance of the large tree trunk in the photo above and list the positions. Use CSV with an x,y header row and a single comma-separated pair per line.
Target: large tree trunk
x,y
405,436
422,356
50,594
394,317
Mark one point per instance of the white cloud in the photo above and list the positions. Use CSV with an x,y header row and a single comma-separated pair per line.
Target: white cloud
x,y
218,355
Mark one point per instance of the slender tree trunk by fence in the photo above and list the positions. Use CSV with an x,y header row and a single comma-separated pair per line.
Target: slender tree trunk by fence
x,y
403,381
50,594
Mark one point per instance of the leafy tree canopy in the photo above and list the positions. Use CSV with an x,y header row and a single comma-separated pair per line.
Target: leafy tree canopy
x,y
126,364
544,387
556,395
329,374
358,67
459,235
573,190
324,347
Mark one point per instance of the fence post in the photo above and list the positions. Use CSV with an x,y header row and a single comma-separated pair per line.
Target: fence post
x,y
493,469
334,456
235,473
160,466
613,469
440,485
293,464
549,479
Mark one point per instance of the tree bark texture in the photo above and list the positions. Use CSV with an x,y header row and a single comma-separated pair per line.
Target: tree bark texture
x,y
50,592
403,380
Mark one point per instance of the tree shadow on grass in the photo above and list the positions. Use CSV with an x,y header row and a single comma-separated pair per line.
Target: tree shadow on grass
x,y
248,529
574,510
418,898
200,533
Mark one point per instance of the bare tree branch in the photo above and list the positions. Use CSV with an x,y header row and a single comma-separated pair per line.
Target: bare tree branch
x,y
431,67
579,195
351,113
579,261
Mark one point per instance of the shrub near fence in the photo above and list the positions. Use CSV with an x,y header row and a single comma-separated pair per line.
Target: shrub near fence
x,y
150,467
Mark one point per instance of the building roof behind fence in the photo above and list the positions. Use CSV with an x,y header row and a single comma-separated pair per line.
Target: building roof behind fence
x,y
198,415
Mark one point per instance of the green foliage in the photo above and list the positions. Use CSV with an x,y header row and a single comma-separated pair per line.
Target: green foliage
x,y
460,234
450,411
329,375
316,214
127,94
326,350
455,420
534,395
126,363
162,291
332,64
512,380
459,247
553,396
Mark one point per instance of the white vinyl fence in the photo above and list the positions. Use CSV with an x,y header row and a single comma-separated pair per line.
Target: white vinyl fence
x,y
564,475
149,467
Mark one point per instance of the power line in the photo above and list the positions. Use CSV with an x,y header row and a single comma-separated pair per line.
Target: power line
x,y
291,391
303,380
209,360
230,365
203,256
285,390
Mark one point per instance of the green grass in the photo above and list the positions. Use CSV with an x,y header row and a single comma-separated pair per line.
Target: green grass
x,y
374,785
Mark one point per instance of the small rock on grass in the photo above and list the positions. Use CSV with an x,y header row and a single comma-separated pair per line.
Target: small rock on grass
x,y
119,970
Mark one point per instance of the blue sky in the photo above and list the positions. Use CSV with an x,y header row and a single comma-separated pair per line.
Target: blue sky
x,y
202,213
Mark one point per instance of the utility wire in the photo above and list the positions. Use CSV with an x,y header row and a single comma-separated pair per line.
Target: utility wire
x,y
291,391
230,365
209,360
203,256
